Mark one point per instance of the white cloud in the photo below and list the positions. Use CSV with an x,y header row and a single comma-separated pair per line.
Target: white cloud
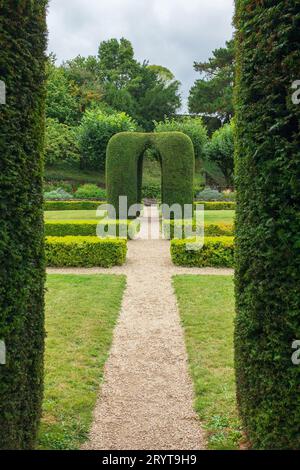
x,y
173,33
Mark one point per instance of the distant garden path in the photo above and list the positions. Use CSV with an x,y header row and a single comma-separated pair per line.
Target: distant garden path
x,y
146,401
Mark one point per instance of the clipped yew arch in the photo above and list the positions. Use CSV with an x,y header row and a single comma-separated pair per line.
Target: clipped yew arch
x,y
124,166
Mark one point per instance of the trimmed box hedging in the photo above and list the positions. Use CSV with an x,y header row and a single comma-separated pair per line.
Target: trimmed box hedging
x,y
87,227
185,226
124,167
216,205
22,270
72,205
268,222
85,251
216,252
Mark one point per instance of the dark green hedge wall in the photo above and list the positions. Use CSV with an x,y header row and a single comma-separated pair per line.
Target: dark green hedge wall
x,y
268,222
124,166
23,42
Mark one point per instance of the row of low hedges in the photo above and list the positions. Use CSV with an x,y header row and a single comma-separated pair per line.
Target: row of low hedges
x,y
93,205
170,229
216,205
72,205
85,251
216,252
89,228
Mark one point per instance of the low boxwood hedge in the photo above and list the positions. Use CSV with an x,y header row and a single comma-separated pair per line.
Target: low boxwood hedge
x,y
84,228
216,205
210,230
85,251
216,252
71,205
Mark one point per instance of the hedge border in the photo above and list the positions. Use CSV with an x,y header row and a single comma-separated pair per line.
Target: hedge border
x,y
210,230
216,252
216,205
87,227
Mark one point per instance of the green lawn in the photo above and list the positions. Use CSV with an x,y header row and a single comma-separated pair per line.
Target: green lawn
x,y
81,312
225,217
71,215
206,305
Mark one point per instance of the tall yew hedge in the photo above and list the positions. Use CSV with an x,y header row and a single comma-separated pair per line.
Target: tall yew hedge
x,y
268,222
23,42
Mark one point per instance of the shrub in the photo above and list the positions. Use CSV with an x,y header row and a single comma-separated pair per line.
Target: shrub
x,y
50,186
220,150
192,127
95,131
216,206
124,166
268,222
90,191
85,251
151,191
216,252
209,195
185,226
86,227
58,194
61,143
72,205
22,68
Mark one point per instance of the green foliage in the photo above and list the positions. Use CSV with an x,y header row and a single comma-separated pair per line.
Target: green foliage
x,y
209,194
124,167
77,251
90,191
58,194
213,94
95,132
182,228
216,252
268,223
71,205
88,227
151,191
22,273
61,102
216,206
220,150
192,127
144,92
61,143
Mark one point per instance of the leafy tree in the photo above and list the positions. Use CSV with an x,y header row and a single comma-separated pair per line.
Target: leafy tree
x,y
213,94
84,72
193,127
95,131
61,101
61,143
220,150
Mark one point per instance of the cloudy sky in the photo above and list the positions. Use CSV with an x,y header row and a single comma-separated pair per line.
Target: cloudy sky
x,y
172,33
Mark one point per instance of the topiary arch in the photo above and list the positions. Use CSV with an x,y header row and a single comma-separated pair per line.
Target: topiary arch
x,y
124,166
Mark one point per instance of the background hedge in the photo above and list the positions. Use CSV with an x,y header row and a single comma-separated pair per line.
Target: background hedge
x,y
124,166
22,60
72,205
216,252
216,205
85,251
86,227
268,223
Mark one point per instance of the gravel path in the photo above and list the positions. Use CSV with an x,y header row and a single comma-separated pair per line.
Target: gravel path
x,y
146,401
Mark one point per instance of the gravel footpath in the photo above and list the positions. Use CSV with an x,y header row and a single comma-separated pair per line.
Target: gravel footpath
x,y
146,401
